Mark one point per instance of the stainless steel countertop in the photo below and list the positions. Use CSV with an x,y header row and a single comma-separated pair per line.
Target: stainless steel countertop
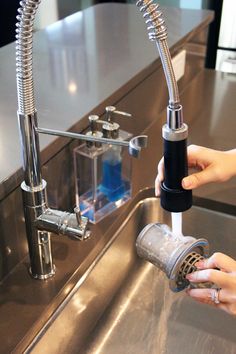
x,y
80,64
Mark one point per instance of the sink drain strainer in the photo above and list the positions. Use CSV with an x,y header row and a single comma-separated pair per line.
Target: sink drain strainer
x,y
178,274
176,256
187,267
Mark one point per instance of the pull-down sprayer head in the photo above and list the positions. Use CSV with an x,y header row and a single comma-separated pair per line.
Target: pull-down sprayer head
x,y
176,256
173,197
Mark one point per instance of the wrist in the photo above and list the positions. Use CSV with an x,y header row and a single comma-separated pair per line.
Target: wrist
x,y
231,155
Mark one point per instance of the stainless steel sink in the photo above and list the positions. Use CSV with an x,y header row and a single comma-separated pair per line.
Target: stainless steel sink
x,y
123,304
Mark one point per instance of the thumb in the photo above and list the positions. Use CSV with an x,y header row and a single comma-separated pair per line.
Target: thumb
x,y
198,179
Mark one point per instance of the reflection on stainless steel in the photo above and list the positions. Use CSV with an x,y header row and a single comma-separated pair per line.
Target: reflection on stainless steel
x,y
67,66
39,219
122,304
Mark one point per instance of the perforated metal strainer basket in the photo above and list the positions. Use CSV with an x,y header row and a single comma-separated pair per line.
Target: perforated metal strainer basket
x,y
175,256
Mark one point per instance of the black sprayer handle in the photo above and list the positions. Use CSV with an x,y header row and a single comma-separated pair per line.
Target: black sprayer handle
x,y
173,197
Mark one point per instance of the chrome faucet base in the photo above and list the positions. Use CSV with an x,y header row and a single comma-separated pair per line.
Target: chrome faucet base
x,y
39,242
43,276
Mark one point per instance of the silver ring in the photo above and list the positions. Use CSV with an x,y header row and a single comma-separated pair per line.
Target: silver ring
x,y
215,296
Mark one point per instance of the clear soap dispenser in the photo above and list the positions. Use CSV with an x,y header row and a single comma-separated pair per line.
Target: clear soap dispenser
x,y
102,171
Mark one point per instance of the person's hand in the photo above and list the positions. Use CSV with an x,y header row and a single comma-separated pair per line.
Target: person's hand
x,y
214,166
224,279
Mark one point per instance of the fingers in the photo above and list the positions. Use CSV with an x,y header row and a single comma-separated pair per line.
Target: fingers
x,y
218,260
199,157
222,306
160,176
224,279
157,187
198,179
217,277
160,169
207,295
208,161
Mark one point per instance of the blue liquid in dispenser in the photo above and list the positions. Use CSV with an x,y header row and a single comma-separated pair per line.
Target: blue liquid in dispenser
x,y
112,184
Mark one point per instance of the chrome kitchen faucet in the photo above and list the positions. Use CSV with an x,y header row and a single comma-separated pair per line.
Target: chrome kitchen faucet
x,y
40,220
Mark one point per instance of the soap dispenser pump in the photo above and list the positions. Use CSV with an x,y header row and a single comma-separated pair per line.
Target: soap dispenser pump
x,y
102,171
113,184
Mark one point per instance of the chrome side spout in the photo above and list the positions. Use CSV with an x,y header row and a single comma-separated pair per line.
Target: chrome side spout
x,y
40,220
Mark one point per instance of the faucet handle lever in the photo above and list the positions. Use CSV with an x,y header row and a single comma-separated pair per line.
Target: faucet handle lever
x,y
78,214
